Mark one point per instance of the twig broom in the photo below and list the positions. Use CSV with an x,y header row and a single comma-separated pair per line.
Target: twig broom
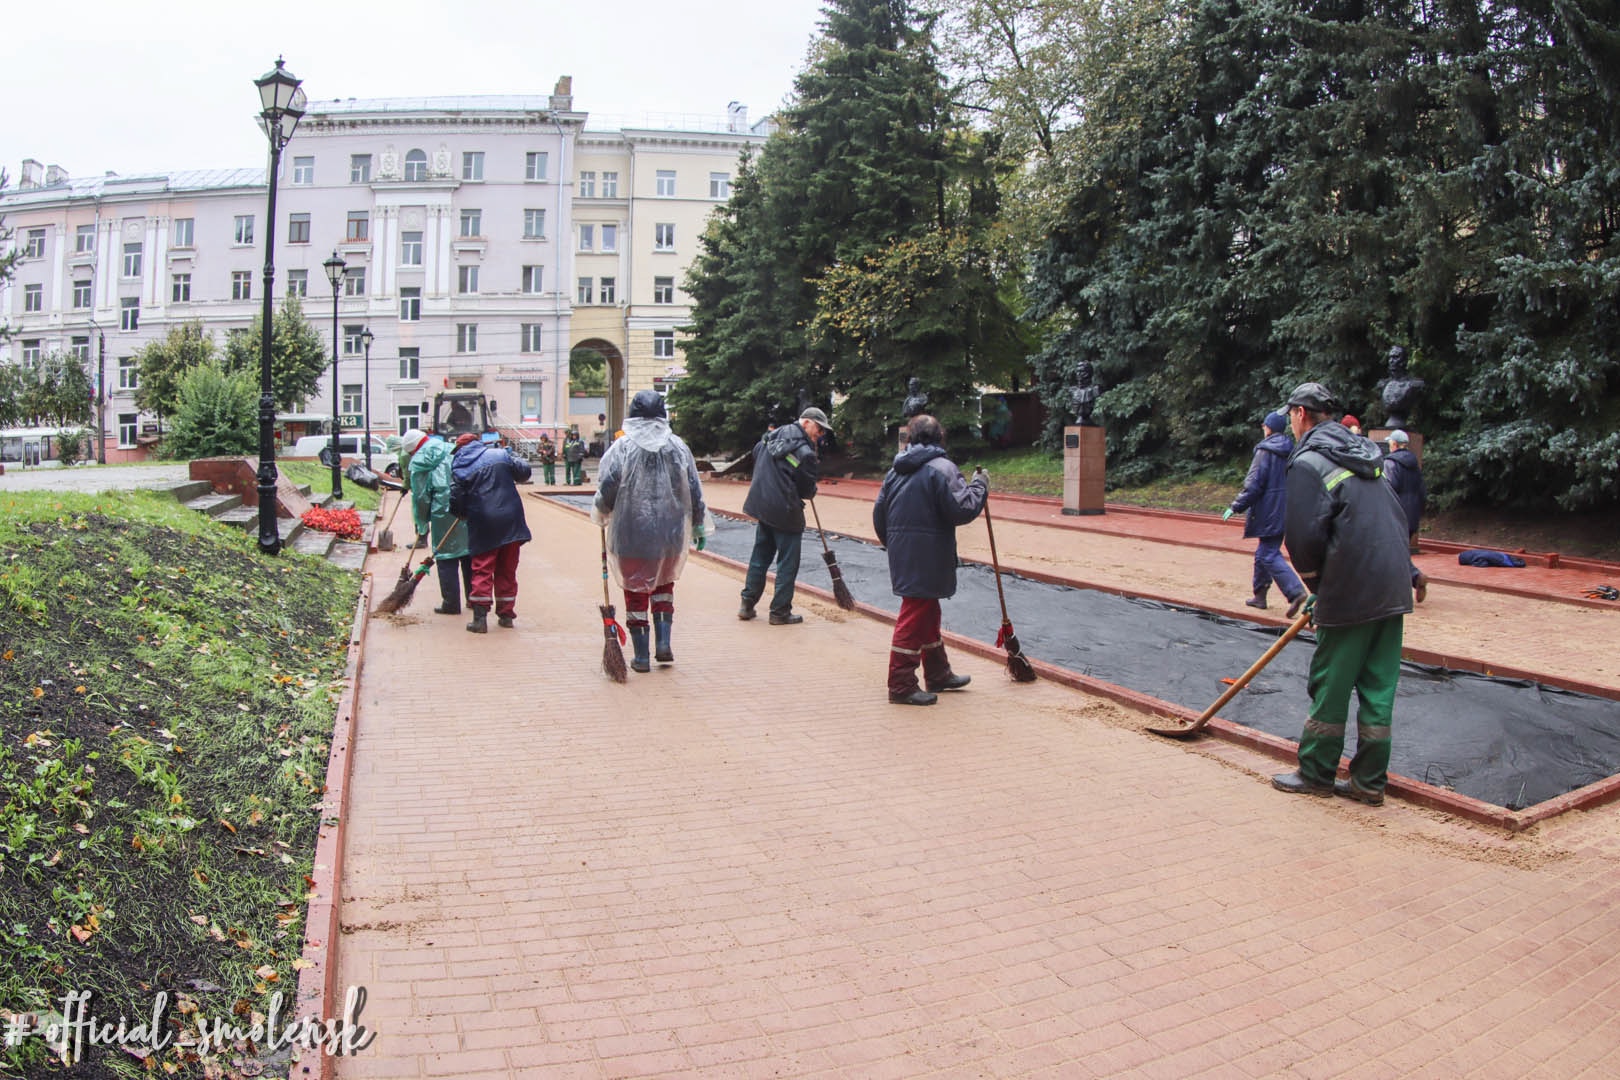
x,y
409,579
1018,666
841,591
612,633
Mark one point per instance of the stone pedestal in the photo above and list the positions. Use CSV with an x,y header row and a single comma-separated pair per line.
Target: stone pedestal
x,y
1381,437
1085,450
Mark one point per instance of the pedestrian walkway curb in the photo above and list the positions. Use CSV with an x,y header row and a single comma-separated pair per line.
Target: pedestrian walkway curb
x,y
317,984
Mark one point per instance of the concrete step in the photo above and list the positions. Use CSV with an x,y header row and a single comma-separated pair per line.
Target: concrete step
x,y
186,490
247,517
314,542
214,505
349,554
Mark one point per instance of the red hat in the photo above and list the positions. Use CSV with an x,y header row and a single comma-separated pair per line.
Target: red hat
x,y
463,440
1350,421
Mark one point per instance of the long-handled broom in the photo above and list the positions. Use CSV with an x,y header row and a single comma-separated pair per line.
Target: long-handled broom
x,y
409,579
841,591
1018,666
612,632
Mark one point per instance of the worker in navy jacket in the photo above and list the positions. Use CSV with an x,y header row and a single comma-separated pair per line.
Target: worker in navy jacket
x,y
1264,497
922,502
483,490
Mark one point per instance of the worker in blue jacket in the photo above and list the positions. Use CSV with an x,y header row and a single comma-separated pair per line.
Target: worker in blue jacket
x,y
1264,497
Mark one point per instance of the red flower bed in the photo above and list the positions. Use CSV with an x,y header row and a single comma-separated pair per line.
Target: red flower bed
x,y
345,523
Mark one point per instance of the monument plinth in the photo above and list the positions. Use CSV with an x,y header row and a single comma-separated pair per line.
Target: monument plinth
x,y
1085,452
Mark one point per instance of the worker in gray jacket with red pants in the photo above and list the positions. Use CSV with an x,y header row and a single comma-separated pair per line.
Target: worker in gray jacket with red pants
x,y
1346,535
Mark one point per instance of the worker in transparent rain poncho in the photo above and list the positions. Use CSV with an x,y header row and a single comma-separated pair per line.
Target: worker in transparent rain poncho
x,y
649,499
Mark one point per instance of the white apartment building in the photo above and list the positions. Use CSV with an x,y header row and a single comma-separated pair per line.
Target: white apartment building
x,y
485,239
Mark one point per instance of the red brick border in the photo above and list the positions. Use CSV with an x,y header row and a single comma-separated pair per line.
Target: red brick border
x,y
317,984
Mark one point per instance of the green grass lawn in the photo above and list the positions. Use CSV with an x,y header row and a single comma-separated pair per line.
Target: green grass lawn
x,y
166,700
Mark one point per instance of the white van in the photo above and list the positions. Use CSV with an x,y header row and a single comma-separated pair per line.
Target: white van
x,y
348,445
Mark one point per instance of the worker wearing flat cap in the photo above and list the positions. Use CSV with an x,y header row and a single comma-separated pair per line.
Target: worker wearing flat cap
x,y
1346,535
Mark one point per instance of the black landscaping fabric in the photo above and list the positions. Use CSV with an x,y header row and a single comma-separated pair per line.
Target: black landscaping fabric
x,y
1512,743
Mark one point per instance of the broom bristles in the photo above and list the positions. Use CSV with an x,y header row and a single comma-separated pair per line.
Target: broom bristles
x,y
612,651
401,595
1018,665
841,593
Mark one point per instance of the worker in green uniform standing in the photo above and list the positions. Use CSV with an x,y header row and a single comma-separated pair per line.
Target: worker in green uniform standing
x,y
1346,536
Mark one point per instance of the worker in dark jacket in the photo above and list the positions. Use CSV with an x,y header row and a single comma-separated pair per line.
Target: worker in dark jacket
x,y
922,502
1405,477
573,459
785,472
1347,537
483,491
1263,497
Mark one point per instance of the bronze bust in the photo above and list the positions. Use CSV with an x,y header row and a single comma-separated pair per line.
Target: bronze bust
x,y
1401,391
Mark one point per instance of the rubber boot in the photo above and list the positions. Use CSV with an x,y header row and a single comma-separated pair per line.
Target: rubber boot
x,y
638,641
661,628
1258,600
480,620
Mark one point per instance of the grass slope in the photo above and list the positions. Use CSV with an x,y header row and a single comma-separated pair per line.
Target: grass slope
x,y
166,699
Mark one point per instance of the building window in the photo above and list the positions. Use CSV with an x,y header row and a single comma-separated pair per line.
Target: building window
x,y
587,185
80,348
354,281
410,249
180,289
33,298
353,395
534,165
35,248
84,239
303,170
410,305
298,229
298,283
415,166
184,232
359,168
410,364
241,284
719,185
466,337
664,237
81,294
244,229
610,238
132,260
610,185
410,416
472,223
583,294
666,182
472,165
129,313
534,224
129,375
530,341
359,226
466,279
532,278
663,344
663,290
587,237
30,350
353,339
609,286
128,428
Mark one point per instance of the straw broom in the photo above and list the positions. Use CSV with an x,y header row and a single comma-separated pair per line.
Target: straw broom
x,y
409,579
1018,666
841,591
613,634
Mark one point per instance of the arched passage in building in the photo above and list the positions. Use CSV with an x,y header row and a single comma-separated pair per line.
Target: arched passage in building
x,y
596,375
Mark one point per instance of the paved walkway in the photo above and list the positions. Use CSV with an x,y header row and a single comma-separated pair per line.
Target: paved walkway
x,y
93,478
750,865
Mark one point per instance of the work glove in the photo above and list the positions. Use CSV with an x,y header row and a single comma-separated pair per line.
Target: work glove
x,y
1226,515
700,536
979,473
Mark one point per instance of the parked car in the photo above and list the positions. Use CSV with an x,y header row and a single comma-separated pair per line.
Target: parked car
x,y
349,446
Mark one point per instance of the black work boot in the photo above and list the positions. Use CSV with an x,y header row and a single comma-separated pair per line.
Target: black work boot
x,y
661,628
480,620
745,611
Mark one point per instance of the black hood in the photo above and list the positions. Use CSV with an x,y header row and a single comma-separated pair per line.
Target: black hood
x,y
913,458
1335,442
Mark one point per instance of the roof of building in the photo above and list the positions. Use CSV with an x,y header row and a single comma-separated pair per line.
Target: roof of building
x,y
447,103
109,185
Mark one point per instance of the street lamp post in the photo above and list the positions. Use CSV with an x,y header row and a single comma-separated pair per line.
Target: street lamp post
x,y
366,338
283,106
335,268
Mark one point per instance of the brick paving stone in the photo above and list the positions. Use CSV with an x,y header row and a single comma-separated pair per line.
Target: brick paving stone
x,y
748,864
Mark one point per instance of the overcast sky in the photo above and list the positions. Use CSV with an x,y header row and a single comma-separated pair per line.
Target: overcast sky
x,y
99,85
